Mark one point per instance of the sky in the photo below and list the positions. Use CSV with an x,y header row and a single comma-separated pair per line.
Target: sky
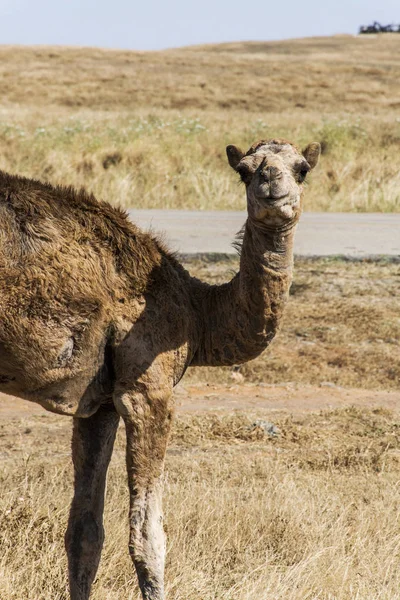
x,y
159,24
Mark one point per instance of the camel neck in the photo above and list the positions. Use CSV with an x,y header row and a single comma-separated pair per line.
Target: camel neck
x,y
265,249
239,319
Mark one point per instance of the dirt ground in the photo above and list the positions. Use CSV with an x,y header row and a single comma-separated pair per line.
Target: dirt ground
x,y
208,397
24,425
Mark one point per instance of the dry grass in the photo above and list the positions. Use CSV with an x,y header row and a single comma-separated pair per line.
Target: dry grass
x,y
341,325
148,129
312,514
351,73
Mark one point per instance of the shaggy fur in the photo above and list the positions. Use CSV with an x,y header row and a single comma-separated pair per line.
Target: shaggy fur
x,y
99,321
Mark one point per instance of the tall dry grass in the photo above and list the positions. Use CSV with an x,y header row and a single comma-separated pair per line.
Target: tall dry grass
x,y
149,129
312,514
168,160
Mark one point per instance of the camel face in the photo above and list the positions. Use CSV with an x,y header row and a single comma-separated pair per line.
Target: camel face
x,y
273,172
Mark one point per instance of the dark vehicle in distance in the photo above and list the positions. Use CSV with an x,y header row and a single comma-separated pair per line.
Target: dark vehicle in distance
x,y
378,28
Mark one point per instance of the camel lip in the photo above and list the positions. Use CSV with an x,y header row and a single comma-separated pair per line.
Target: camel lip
x,y
271,199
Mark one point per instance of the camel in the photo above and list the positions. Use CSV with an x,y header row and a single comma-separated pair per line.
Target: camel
x,y
99,321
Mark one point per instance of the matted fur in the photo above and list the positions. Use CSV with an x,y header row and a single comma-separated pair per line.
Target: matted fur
x,y
99,321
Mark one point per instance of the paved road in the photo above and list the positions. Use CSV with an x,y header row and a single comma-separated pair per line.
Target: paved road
x,y
318,234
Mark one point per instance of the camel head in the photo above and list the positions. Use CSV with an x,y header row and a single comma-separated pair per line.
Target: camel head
x,y
274,172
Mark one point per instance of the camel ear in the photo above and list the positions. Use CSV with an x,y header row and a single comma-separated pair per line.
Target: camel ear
x,y
311,153
234,155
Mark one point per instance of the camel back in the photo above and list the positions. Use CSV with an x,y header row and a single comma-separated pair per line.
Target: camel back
x,y
36,215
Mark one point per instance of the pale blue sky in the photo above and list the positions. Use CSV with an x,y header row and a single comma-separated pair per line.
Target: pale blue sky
x,y
152,24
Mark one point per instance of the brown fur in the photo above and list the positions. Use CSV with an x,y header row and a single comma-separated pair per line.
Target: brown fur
x,y
98,320
277,141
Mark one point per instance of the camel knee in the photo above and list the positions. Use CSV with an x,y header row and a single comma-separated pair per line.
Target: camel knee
x,y
84,535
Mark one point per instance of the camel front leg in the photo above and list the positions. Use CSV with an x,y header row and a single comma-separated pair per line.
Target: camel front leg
x,y
147,420
92,445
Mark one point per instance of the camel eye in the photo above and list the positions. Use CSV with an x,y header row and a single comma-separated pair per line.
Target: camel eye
x,y
302,173
244,173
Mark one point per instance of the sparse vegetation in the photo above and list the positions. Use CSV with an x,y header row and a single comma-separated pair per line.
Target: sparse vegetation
x,y
310,514
149,129
341,325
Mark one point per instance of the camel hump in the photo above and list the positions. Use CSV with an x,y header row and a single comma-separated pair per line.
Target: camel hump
x,y
27,222
33,199
79,213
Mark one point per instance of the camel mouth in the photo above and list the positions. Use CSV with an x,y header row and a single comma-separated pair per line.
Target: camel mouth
x,y
271,199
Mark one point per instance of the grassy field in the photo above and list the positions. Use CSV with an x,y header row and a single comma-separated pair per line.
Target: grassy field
x,y
149,129
311,514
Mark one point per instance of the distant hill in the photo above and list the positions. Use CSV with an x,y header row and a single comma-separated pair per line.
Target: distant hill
x,y
323,74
